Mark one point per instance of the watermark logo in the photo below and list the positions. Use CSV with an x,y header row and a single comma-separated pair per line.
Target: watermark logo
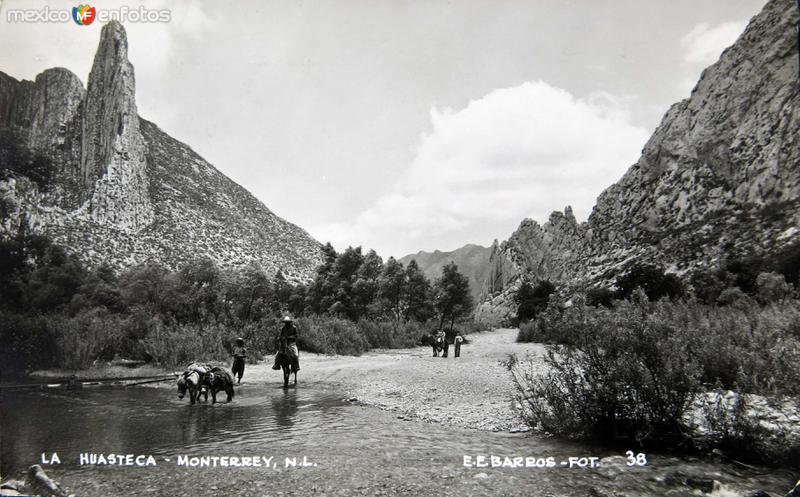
x,y
84,14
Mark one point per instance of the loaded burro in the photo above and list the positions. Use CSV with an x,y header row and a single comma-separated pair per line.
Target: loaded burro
x,y
201,378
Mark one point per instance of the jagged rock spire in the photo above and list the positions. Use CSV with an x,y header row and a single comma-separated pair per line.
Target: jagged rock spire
x,y
113,162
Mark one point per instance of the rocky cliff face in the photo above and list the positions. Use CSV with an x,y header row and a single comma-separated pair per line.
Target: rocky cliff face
x,y
113,153
125,192
720,176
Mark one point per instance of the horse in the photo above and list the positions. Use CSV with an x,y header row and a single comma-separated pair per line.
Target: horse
x,y
216,380
437,343
284,360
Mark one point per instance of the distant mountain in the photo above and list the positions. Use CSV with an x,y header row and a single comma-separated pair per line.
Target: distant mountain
x,y
121,190
472,261
719,177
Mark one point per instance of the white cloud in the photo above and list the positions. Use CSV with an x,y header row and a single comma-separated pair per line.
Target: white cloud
x,y
514,153
705,43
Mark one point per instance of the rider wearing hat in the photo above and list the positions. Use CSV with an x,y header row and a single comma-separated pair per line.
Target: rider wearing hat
x,y
288,336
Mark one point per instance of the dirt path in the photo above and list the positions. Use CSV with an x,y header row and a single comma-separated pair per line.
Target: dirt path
x,y
473,391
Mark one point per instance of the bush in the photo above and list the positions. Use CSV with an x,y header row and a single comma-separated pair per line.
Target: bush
x,y
180,344
531,300
597,297
330,335
29,342
391,334
631,372
528,332
655,283
772,287
86,337
616,379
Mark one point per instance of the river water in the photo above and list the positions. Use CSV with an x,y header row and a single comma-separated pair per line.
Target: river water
x,y
333,448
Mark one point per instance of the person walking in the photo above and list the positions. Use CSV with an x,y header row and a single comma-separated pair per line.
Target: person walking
x,y
239,355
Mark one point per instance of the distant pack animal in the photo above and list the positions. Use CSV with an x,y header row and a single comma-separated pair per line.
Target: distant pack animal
x,y
191,381
217,380
437,343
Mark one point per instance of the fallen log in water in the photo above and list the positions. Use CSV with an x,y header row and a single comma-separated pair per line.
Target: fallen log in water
x,y
78,383
42,485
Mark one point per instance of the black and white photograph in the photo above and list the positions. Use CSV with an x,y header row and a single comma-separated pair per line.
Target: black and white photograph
x,y
543,248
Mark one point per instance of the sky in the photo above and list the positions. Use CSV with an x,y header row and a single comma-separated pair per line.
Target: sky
x,y
403,125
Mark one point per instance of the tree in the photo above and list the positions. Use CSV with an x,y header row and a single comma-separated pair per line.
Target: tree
x,y
452,295
344,275
54,281
246,295
532,300
198,284
652,280
283,293
321,292
419,306
101,289
392,288
367,284
148,286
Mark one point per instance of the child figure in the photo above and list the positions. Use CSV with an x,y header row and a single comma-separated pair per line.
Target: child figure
x,y
239,354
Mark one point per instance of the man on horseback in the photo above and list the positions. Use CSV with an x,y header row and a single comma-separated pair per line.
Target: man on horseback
x,y
287,337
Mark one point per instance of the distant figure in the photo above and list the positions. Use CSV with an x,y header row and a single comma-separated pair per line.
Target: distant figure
x,y
239,355
288,336
457,341
445,343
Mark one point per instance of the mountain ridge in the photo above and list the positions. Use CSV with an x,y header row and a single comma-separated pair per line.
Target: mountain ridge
x,y
472,261
719,177
125,192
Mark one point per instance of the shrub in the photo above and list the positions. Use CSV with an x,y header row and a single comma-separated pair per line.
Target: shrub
x,y
29,342
528,332
531,300
391,334
652,280
631,371
772,287
623,376
91,335
330,335
597,297
180,344
735,297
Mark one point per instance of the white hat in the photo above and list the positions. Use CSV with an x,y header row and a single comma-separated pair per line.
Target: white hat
x,y
287,319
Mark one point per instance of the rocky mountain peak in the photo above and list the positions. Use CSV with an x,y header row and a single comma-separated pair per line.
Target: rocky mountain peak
x,y
124,192
719,178
114,165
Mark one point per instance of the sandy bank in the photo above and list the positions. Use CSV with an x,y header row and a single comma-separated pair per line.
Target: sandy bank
x,y
472,391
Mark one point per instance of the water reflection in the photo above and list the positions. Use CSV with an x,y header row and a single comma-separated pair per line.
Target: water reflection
x,y
285,408
354,442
